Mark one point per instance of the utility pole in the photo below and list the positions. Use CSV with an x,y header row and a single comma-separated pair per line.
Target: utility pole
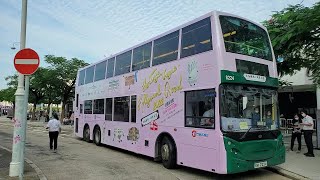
x,y
20,103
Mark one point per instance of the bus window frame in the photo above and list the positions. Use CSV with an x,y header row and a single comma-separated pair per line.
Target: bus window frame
x,y
220,109
94,111
107,66
255,24
84,110
185,108
95,71
105,108
125,54
191,30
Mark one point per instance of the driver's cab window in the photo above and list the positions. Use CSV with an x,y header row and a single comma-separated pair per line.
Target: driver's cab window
x,y
200,108
243,107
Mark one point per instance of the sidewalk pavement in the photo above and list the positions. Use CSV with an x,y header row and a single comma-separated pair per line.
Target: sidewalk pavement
x,y
68,128
297,165
5,159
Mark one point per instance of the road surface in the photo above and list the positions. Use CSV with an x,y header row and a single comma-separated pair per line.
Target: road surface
x,y
79,160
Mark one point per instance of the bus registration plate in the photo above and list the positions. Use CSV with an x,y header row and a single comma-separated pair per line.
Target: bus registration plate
x,y
260,164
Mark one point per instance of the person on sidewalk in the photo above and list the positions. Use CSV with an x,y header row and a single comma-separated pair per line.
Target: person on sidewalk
x,y
307,127
296,132
72,118
54,127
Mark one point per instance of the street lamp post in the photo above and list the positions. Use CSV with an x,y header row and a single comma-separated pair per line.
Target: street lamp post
x,y
13,47
19,121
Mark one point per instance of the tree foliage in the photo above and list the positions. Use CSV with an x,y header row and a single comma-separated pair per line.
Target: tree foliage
x,y
295,36
7,94
65,73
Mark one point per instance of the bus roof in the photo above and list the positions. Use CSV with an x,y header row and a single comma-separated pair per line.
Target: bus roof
x,y
170,31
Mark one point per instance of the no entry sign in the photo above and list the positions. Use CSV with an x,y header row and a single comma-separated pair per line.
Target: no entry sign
x,y
26,61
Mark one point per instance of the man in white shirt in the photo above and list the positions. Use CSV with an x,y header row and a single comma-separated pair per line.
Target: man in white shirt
x,y
54,127
307,127
208,119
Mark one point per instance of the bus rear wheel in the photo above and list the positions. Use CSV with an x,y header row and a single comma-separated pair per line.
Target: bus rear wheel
x,y
86,134
168,153
97,136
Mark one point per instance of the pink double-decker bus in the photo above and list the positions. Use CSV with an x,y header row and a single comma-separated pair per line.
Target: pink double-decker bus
x,y
203,95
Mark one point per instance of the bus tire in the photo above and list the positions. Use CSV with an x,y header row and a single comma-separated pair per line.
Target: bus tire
x,y
86,134
97,136
168,153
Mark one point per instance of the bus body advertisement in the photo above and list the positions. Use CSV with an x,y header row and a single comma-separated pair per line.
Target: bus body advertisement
x,y
203,95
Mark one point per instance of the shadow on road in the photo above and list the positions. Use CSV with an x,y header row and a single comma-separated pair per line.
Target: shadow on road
x,y
187,170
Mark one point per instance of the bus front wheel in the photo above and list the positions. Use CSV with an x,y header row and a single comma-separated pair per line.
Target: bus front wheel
x,y
168,153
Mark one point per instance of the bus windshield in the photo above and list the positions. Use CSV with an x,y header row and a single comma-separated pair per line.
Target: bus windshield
x,y
244,37
244,107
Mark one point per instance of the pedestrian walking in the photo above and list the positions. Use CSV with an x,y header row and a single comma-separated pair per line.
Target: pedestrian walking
x,y
46,116
307,127
54,127
72,118
296,132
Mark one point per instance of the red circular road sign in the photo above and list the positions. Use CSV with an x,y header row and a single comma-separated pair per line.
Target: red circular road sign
x,y
26,61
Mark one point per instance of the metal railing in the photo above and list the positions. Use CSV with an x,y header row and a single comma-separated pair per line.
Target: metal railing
x,y
286,125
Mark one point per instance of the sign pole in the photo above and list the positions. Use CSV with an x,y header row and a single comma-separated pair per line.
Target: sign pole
x,y
24,125
19,100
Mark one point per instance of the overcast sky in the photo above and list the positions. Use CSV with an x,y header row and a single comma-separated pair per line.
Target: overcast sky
x,y
91,29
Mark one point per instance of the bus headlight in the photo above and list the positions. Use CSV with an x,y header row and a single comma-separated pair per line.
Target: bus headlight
x,y
281,143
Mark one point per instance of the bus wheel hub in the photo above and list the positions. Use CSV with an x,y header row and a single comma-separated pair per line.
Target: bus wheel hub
x,y
165,152
97,137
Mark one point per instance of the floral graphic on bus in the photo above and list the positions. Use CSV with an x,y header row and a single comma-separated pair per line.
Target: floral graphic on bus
x,y
118,134
192,73
133,134
129,80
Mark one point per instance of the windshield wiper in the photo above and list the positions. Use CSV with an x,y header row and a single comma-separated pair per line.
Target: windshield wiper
x,y
245,134
257,127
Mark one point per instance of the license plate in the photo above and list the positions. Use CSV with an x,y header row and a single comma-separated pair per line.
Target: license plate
x,y
260,164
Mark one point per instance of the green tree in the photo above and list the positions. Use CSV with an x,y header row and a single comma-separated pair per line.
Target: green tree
x,y
65,73
37,89
52,96
295,36
8,94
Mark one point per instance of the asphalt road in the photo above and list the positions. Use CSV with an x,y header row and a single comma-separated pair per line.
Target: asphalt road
x,y
79,160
